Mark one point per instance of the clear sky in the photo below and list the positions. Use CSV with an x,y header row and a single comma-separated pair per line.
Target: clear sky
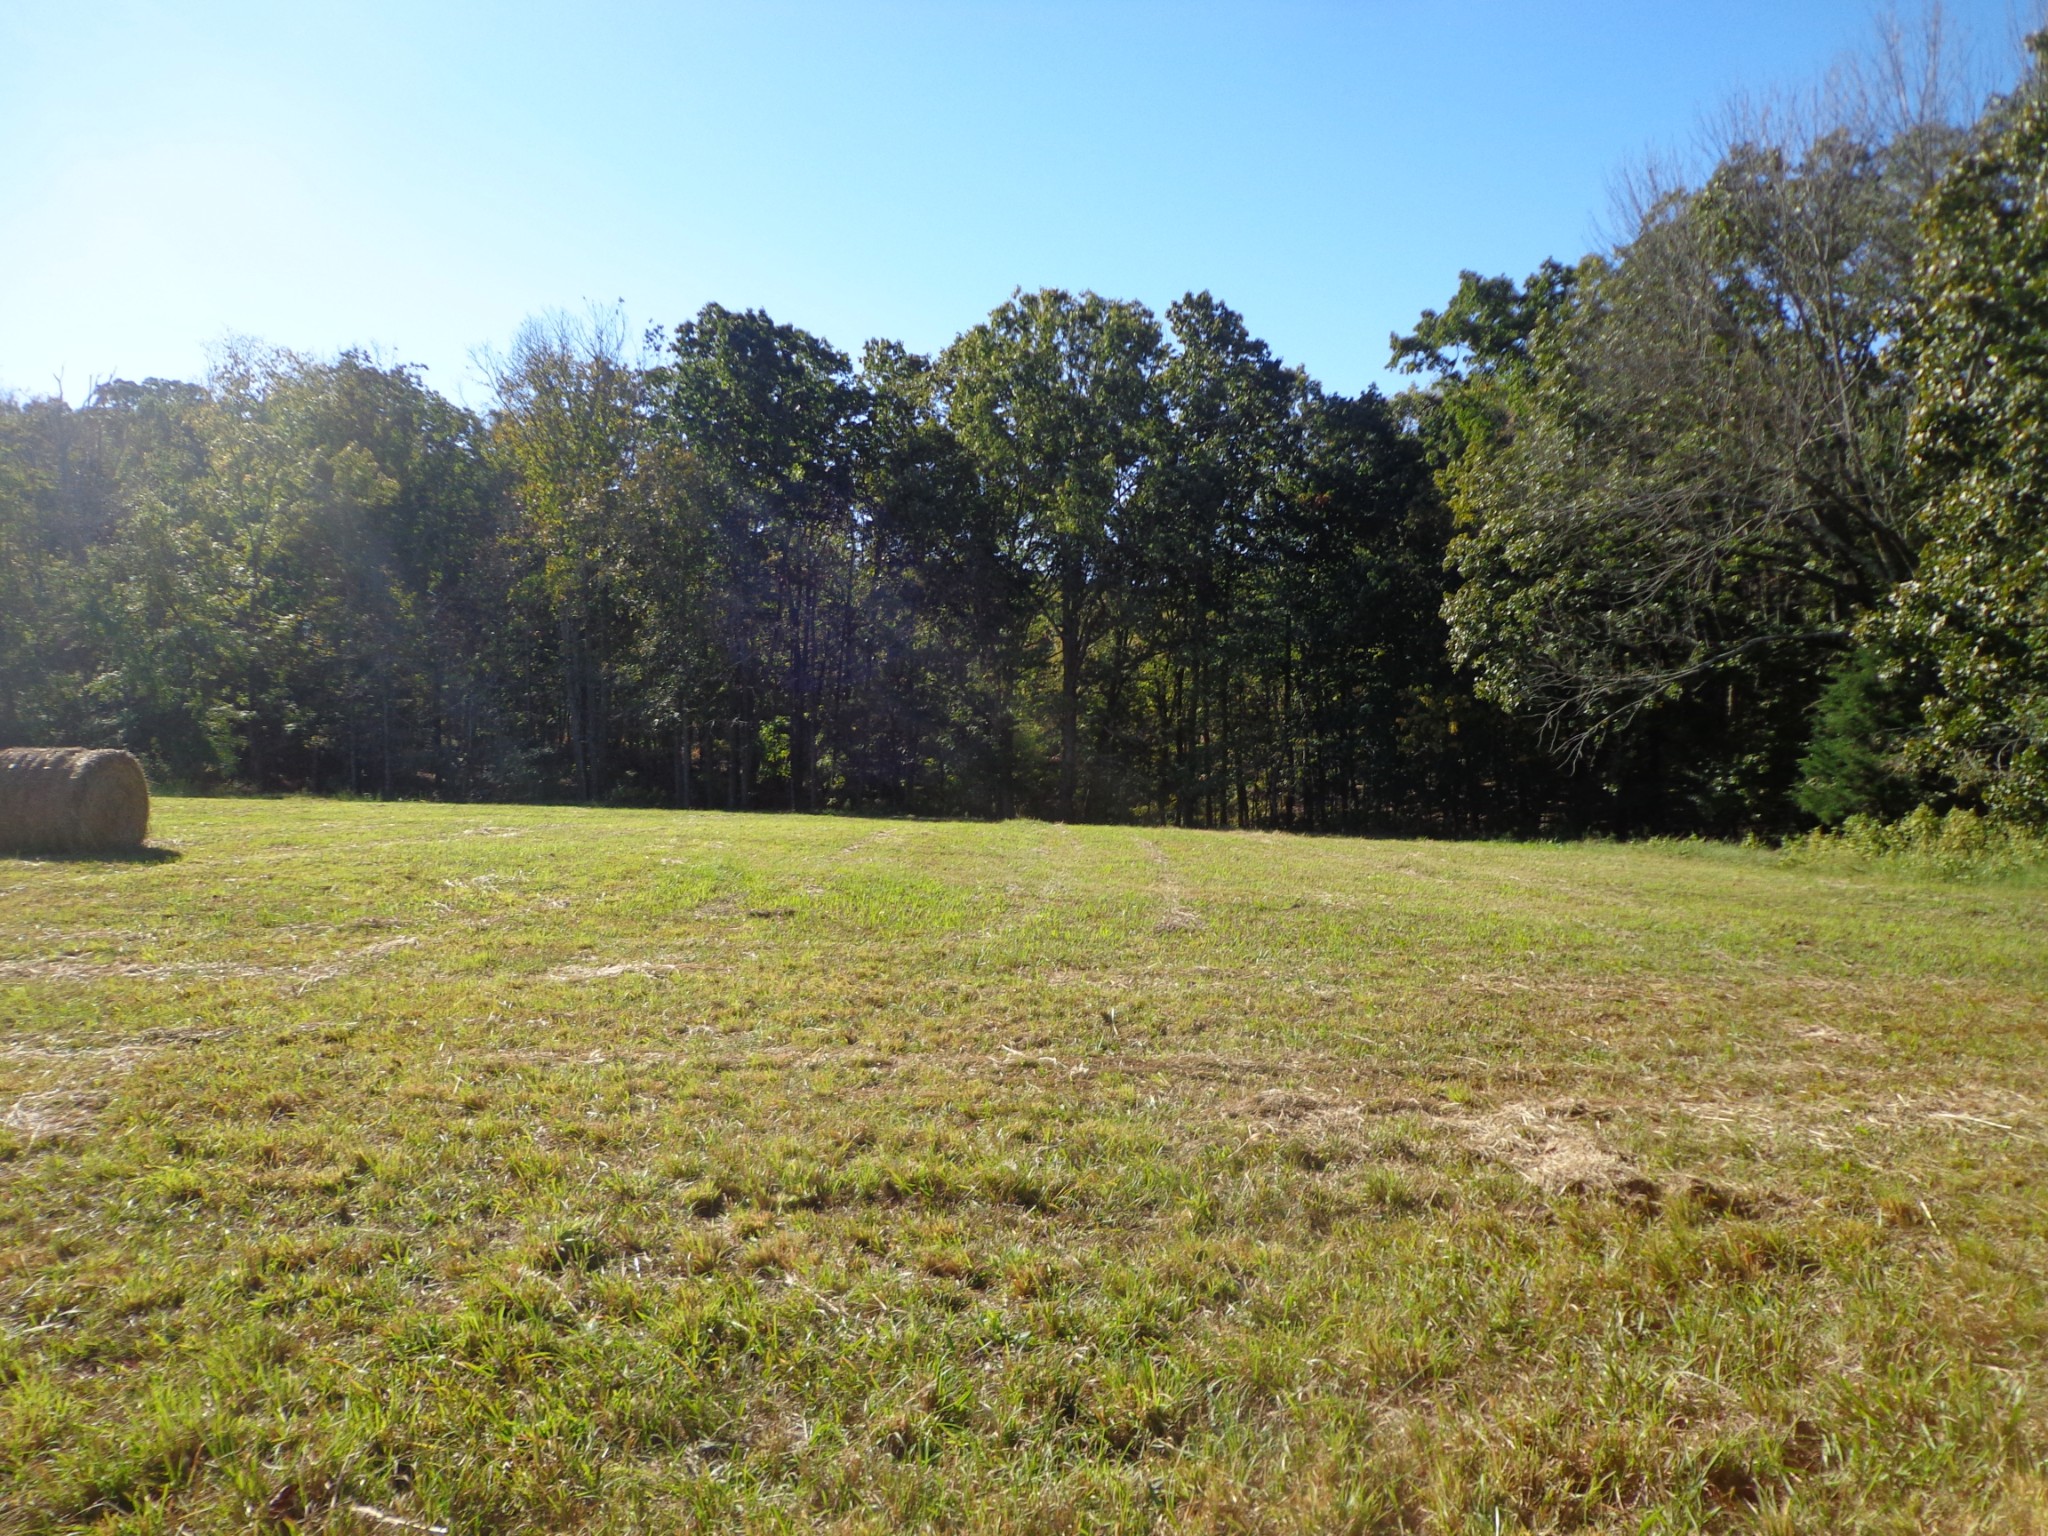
x,y
418,177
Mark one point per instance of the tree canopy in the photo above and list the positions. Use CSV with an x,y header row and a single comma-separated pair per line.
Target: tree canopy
x,y
1977,608
1738,524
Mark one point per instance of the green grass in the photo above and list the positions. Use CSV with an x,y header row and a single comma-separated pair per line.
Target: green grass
x,y
518,1169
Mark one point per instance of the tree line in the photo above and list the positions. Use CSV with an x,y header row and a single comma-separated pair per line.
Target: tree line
x,y
1737,525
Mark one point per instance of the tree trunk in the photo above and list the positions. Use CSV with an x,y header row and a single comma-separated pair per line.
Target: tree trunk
x,y
1070,692
572,705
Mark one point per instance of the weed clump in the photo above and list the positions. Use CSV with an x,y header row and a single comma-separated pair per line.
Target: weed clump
x,y
1958,845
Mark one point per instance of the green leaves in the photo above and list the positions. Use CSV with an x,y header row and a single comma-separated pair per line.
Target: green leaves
x,y
1677,472
1978,607
1054,399
768,407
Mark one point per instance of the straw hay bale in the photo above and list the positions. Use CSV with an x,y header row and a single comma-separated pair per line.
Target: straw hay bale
x,y
71,800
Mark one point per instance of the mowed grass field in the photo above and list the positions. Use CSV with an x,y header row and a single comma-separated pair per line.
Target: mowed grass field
x,y
393,1167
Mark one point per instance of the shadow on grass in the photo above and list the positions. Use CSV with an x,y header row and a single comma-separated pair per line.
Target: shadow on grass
x,y
143,855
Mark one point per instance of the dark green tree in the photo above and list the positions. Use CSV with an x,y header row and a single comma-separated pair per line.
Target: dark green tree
x,y
1978,607
1055,398
1231,432
1677,473
568,434
773,418
1859,760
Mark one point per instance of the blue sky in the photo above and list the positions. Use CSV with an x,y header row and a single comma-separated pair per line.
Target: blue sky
x,y
420,177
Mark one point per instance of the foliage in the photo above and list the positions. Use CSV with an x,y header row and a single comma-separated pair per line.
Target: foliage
x,y
1735,525
570,432
1677,470
1978,607
1053,400
1859,760
277,576
1961,844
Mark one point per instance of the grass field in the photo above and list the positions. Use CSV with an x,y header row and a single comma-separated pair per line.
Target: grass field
x,y
379,1168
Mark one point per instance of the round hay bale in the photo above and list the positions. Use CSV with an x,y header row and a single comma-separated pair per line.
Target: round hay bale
x,y
71,800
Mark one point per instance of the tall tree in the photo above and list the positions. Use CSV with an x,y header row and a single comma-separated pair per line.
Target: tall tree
x,y
569,432
1054,397
773,417
951,611
1231,433
1978,606
1679,471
